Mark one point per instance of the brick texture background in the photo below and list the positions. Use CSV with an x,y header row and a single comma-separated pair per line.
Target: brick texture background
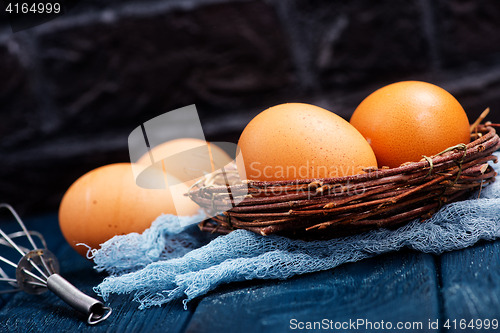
x,y
71,90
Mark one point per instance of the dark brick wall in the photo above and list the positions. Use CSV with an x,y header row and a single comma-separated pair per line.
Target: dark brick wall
x,y
71,90
357,42
18,105
144,66
469,31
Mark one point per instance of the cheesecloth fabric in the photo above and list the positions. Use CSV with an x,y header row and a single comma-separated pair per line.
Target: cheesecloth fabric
x,y
169,261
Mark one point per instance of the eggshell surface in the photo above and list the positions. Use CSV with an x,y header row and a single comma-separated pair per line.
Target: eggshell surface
x,y
218,156
406,120
106,202
301,141
176,146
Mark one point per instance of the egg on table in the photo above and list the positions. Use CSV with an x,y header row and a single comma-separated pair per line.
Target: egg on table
x,y
301,141
192,158
195,147
106,202
405,120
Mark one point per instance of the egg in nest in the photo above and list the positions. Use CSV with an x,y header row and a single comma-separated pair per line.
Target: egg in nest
x,y
405,120
301,141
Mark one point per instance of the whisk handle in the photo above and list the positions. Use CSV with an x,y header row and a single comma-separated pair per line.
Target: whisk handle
x,y
93,308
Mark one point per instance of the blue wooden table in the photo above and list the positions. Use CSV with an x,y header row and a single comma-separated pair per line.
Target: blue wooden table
x,y
417,292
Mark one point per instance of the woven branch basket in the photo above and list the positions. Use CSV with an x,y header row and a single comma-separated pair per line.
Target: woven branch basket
x,y
334,207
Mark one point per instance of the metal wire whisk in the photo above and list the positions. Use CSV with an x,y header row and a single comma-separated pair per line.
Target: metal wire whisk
x,y
38,270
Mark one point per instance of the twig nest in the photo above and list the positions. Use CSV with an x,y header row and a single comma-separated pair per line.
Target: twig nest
x,y
323,208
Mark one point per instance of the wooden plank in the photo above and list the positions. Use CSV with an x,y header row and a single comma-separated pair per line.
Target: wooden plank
x,y
398,287
470,281
47,313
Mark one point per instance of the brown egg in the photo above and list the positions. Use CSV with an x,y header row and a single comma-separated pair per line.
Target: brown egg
x,y
176,146
406,120
106,202
185,170
301,141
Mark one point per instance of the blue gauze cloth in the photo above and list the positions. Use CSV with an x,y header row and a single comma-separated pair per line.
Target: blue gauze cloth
x,y
169,262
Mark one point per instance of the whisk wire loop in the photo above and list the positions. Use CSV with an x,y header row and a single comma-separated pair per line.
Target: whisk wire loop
x,y
28,235
19,234
7,261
